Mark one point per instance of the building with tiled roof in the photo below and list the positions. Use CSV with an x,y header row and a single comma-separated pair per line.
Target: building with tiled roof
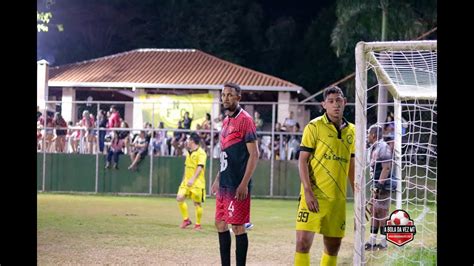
x,y
128,76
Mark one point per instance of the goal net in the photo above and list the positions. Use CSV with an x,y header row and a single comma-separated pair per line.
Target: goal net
x,y
396,85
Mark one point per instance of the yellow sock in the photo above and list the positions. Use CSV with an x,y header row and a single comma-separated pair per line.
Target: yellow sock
x,y
301,259
198,214
183,208
327,260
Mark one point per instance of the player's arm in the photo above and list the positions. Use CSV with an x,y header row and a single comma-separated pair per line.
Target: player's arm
x,y
303,165
385,171
215,184
184,174
351,173
385,157
242,190
196,174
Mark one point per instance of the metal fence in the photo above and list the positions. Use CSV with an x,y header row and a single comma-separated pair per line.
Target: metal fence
x,y
278,140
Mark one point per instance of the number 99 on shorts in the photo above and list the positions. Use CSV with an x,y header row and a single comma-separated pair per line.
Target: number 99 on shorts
x,y
302,217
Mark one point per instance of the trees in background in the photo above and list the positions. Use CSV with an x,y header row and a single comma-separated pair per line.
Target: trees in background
x,y
310,43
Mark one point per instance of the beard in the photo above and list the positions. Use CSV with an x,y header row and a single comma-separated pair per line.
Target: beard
x,y
230,108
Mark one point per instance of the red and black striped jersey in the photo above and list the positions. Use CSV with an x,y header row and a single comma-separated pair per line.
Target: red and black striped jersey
x,y
237,130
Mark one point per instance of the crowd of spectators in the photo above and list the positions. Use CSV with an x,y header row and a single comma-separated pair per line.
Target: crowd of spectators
x,y
107,134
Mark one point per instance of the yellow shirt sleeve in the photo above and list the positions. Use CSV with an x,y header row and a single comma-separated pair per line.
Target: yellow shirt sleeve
x,y
202,157
309,141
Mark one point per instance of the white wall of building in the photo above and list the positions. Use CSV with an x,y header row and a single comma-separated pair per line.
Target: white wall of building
x,y
68,107
42,83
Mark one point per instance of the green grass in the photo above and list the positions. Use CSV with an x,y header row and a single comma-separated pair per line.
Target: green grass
x,y
86,229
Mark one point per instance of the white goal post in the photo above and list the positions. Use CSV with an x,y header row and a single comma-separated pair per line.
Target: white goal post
x,y
407,70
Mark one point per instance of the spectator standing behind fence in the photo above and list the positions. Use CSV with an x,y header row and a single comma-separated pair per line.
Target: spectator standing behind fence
x,y
61,131
102,124
87,125
294,144
206,136
116,146
186,121
289,123
258,121
279,143
158,142
114,119
178,140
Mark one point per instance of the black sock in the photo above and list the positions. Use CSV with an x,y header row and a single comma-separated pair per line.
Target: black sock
x,y
374,230
224,247
241,244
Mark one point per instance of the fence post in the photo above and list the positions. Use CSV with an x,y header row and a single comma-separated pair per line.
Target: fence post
x,y
272,162
152,147
97,151
45,118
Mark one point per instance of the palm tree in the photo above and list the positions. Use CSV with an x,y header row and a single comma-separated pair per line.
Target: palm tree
x,y
379,20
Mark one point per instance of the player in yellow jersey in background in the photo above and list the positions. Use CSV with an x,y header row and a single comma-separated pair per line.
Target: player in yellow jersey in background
x,y
326,160
193,185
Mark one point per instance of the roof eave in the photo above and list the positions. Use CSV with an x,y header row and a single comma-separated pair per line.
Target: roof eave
x,y
296,89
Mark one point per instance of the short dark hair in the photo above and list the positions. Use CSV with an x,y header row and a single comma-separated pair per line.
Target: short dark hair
x,y
113,107
195,138
234,86
376,130
333,89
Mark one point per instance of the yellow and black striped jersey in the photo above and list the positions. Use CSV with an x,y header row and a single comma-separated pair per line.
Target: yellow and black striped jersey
x,y
331,151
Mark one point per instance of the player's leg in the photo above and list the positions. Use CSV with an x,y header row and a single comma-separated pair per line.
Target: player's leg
x,y
241,244
197,195
333,228
222,230
331,249
383,216
239,215
374,223
304,241
307,224
183,207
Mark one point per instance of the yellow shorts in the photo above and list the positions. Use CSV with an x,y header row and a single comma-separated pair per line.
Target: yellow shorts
x,y
329,221
193,193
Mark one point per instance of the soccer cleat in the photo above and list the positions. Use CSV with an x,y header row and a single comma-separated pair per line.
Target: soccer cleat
x,y
185,223
197,227
248,226
370,247
381,247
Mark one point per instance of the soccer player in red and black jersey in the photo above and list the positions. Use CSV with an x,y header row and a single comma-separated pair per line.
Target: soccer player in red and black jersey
x,y
239,156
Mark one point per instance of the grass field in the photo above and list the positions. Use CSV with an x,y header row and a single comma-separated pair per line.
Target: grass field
x,y
96,229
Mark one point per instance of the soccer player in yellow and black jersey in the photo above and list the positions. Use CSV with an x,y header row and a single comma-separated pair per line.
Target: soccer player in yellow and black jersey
x,y
193,185
326,160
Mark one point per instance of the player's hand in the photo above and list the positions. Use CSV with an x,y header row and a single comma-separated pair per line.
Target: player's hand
x,y
190,183
214,188
242,192
311,201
